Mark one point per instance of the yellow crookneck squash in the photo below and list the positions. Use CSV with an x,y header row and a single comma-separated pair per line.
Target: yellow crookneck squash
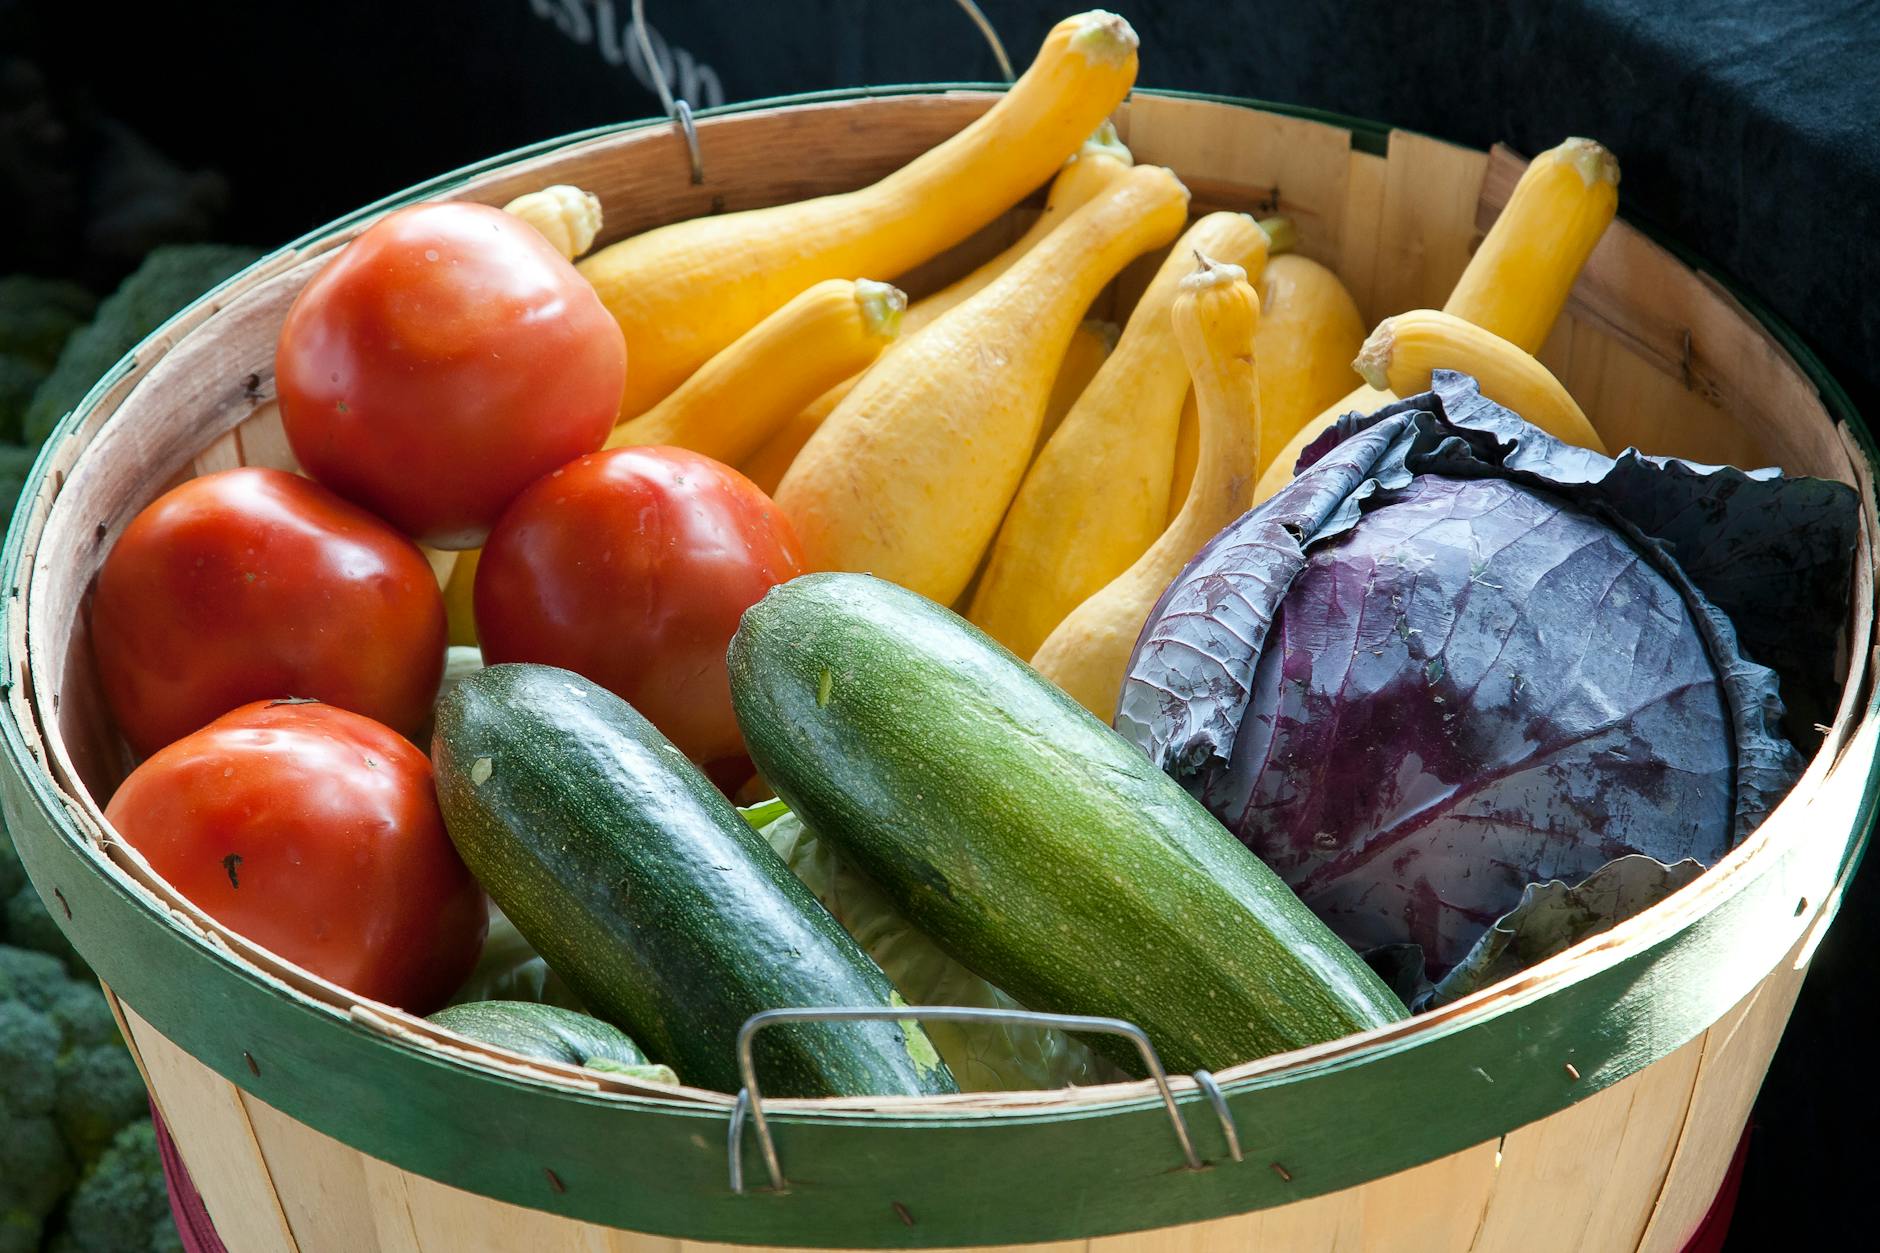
x,y
1096,165
909,477
745,394
1404,350
1091,345
1517,282
682,292
1097,496
1214,319
1310,329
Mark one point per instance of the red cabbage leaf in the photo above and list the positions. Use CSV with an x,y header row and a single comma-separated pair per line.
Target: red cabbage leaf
x,y
1455,658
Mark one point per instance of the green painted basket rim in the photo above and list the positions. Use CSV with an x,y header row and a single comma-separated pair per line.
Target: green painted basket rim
x,y
971,1178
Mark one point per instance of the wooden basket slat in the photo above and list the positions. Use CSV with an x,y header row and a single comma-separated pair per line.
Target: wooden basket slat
x,y
1366,176
1277,165
327,1206
1552,1194
263,440
209,1123
1431,193
1736,1054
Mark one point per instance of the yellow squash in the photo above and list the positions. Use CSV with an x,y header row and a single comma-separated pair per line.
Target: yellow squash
x,y
1097,496
1091,345
766,466
1403,350
909,476
460,597
1517,282
683,292
1214,319
1310,329
1187,452
1101,160
565,216
745,394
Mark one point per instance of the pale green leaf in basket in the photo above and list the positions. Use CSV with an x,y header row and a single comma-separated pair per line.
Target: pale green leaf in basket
x,y
984,1057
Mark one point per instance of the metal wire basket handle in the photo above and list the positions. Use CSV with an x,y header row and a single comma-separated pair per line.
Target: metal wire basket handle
x,y
750,1102
681,112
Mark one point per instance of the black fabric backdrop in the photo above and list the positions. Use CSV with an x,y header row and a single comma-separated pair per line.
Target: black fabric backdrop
x,y
1749,129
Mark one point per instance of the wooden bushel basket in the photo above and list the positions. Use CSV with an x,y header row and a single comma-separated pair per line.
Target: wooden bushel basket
x,y
1591,1103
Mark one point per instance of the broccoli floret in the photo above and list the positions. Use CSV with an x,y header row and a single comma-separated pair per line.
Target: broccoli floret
x,y
168,279
69,1089
37,316
19,379
25,922
15,461
100,1091
36,1168
122,1203
34,1175
12,874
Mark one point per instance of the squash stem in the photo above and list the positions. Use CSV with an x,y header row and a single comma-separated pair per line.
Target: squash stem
x,y
1104,142
1211,273
1281,235
1592,160
882,305
1373,360
1103,36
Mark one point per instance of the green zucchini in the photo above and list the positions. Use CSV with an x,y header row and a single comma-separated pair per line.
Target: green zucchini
x,y
641,886
1040,848
552,1034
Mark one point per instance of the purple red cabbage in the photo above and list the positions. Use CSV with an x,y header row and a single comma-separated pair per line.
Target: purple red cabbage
x,y
1475,693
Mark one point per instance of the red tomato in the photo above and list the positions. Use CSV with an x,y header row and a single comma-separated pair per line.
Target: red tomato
x,y
315,833
253,584
632,567
443,361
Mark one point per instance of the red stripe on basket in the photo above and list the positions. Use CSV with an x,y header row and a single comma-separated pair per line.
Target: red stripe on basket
x,y
1711,1233
186,1208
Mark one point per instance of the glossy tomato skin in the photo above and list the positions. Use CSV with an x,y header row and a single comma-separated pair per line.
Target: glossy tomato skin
x,y
315,833
254,584
443,361
632,567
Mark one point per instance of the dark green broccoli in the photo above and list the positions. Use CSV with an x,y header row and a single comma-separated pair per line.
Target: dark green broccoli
x,y
24,920
70,1088
122,1205
15,461
37,316
168,279
36,1168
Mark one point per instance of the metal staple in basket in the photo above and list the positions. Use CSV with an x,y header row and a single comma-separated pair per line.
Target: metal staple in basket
x,y
680,111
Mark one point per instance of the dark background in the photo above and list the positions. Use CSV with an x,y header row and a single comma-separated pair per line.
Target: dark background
x,y
1748,130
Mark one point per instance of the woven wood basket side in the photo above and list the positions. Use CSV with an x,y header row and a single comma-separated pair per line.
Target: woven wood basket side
x,y
1619,1149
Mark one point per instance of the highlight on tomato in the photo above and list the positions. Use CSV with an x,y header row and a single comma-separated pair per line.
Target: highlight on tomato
x,y
252,584
632,567
443,361
315,833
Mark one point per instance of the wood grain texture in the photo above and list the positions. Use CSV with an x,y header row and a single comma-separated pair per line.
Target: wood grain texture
x,y
1426,232
1361,227
1626,1006
1588,1177
209,1122
1736,1055
327,1207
